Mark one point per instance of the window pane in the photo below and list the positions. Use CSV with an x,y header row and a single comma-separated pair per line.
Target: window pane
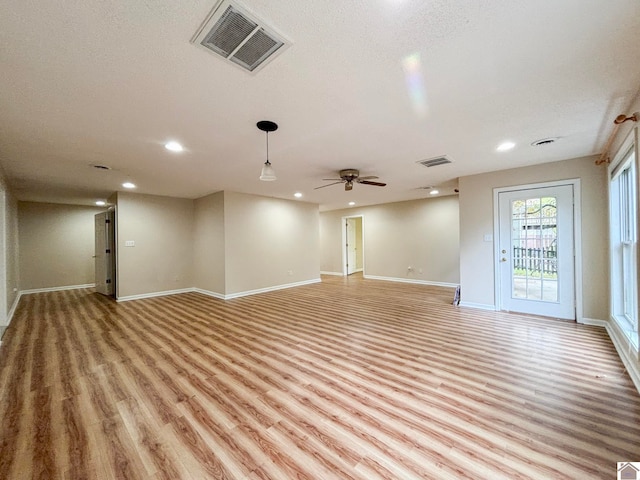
x,y
533,248
624,224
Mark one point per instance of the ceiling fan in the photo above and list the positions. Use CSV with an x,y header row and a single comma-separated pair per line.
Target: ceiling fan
x,y
349,176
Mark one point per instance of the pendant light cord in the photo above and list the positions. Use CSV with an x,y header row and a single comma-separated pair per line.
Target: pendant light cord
x,y
267,147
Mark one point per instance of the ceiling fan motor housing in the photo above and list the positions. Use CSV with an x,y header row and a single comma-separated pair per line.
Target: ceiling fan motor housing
x,y
349,174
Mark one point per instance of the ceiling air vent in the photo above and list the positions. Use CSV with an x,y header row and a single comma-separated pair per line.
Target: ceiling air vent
x,y
238,36
544,141
434,162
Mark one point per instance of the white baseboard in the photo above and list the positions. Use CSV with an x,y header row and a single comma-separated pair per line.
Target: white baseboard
x,y
209,293
153,294
626,352
216,294
57,289
593,321
478,306
411,280
337,274
12,311
271,289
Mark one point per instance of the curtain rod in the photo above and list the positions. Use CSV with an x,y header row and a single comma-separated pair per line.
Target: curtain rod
x,y
620,119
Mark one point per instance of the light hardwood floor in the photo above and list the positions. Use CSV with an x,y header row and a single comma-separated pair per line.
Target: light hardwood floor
x,y
347,379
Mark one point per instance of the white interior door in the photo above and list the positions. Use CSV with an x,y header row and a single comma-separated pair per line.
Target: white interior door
x,y
536,251
351,245
104,253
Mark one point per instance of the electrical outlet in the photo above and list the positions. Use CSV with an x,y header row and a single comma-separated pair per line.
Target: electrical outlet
x,y
290,272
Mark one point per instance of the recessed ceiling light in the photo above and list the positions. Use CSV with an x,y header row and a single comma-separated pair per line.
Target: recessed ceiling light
x,y
101,203
435,191
297,195
173,146
129,185
503,147
351,204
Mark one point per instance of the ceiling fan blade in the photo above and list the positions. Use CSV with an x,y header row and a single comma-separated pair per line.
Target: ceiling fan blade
x,y
370,177
377,184
328,185
333,179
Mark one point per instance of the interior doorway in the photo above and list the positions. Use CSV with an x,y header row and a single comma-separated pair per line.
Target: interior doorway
x,y
535,258
352,241
105,254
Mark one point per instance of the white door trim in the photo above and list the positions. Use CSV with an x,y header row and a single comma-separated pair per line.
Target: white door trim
x,y
577,238
343,221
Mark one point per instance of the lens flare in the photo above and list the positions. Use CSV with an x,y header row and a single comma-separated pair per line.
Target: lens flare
x,y
415,84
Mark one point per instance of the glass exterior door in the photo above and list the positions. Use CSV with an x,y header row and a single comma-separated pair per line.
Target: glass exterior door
x,y
536,251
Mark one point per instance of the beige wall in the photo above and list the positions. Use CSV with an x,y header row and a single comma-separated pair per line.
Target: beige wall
x,y
209,247
422,234
12,250
476,220
9,274
162,258
359,240
225,243
56,245
269,242
331,240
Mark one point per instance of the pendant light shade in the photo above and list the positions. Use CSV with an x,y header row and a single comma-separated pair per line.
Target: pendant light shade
x,y
268,174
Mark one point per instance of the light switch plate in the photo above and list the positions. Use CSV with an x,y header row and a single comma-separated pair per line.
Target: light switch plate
x,y
129,243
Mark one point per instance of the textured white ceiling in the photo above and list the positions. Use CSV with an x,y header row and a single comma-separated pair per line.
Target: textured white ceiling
x,y
376,85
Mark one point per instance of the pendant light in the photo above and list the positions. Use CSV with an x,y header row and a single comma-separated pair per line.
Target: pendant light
x,y
267,174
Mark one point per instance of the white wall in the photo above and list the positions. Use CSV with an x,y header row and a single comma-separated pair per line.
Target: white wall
x,y
209,246
476,219
162,258
269,242
56,245
422,234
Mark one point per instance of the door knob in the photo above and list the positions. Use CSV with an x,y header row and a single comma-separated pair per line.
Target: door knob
x,y
503,259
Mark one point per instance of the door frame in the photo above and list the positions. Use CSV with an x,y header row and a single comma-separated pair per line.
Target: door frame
x,y
109,241
343,221
577,238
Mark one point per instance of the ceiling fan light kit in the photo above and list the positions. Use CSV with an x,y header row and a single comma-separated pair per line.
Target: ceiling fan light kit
x,y
267,174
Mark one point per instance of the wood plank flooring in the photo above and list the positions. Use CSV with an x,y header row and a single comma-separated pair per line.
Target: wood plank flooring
x,y
346,379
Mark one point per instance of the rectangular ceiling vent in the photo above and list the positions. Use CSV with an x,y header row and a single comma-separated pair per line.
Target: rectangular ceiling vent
x,y
434,162
238,36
